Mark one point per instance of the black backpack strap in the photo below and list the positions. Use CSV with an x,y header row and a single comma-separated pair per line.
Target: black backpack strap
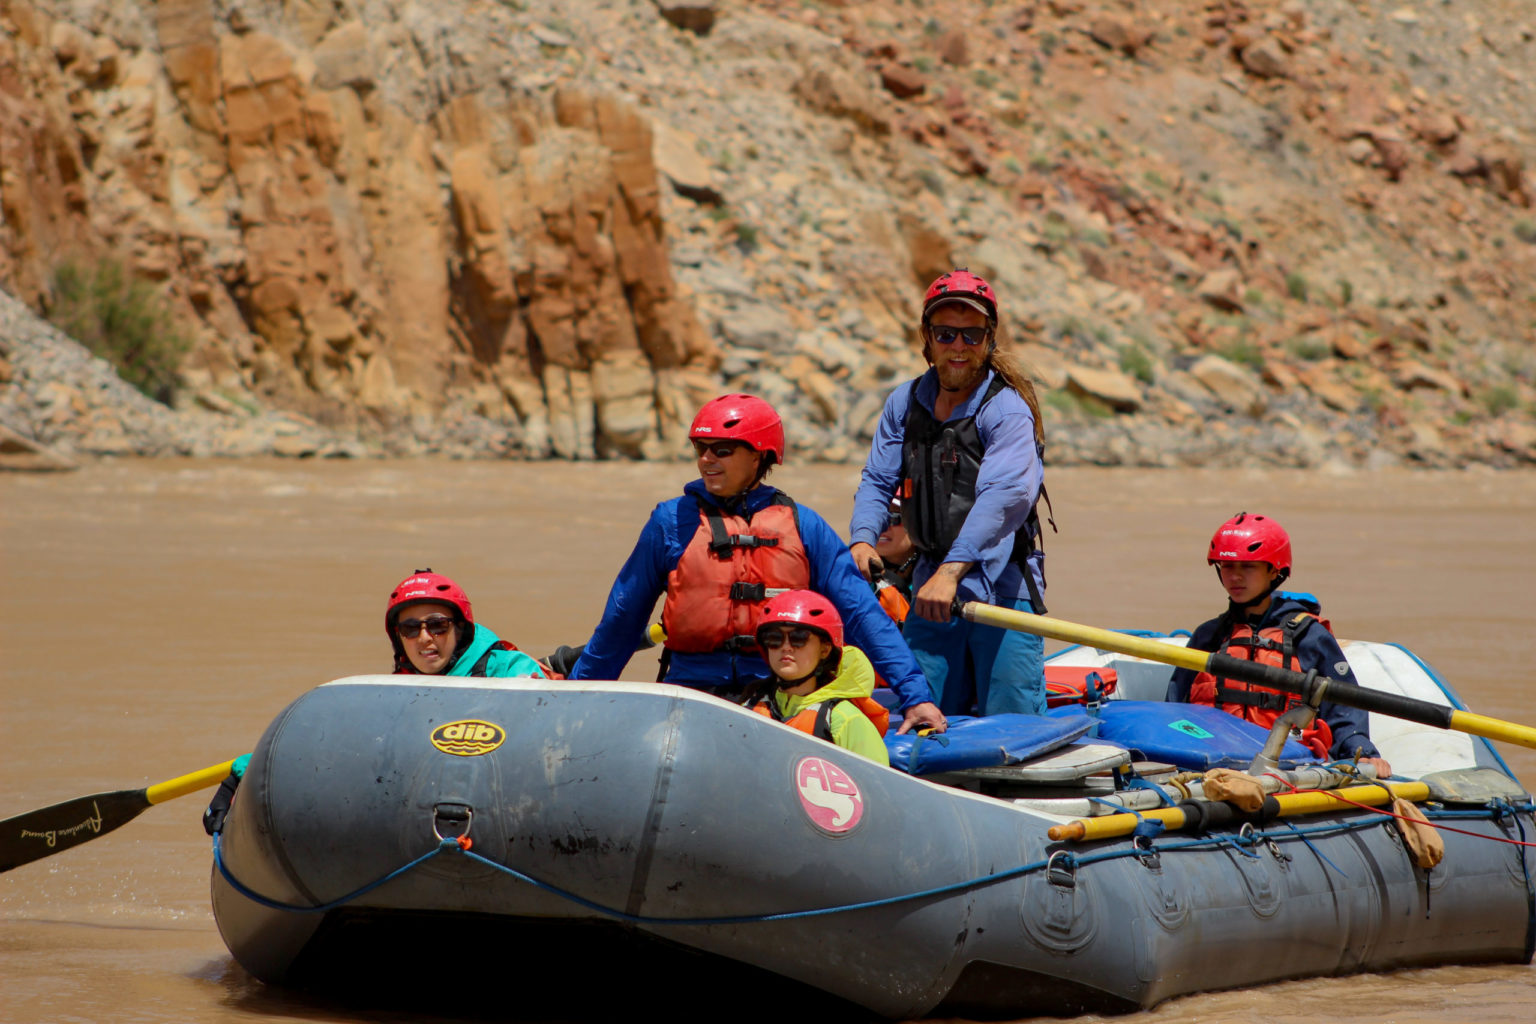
x,y
906,421
822,730
1294,627
1050,511
478,669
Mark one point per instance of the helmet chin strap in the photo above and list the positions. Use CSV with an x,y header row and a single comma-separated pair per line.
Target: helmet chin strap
x,y
785,684
1235,607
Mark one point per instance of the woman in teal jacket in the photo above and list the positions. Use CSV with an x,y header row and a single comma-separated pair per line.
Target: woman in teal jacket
x,y
431,626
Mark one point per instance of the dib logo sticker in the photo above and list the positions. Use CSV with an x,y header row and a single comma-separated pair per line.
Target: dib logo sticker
x,y
469,738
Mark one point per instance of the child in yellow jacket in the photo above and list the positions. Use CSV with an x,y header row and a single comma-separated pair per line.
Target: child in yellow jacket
x,y
824,687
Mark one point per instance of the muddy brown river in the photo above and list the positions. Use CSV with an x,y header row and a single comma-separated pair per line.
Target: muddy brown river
x,y
158,614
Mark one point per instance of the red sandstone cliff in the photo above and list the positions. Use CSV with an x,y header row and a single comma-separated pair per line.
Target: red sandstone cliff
x,y
1289,232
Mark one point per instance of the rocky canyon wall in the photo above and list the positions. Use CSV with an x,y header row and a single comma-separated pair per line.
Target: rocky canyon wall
x,y
1225,232
357,226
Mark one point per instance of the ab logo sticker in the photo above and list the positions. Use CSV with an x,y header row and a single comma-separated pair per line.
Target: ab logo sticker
x,y
469,738
1189,728
828,796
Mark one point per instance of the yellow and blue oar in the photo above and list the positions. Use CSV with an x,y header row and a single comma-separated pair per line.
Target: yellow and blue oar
x,y
50,830
1311,688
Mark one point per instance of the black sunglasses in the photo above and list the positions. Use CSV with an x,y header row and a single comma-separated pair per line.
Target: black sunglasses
x,y
722,449
949,335
773,639
437,625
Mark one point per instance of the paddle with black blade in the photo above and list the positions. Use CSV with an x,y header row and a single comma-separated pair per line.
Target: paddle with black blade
x,y
50,830
1311,687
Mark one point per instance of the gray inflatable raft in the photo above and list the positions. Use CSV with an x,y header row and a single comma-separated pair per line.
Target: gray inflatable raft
x,y
607,821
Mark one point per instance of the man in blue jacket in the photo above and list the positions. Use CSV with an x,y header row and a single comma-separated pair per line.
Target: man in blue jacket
x,y
720,551
967,436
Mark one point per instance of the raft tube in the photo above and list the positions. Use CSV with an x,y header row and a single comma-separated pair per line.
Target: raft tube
x,y
659,818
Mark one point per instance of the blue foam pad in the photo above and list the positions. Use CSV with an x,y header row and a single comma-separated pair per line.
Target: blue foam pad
x,y
982,742
1192,736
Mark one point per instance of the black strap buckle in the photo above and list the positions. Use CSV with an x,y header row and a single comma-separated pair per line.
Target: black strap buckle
x,y
749,591
740,644
725,544
1267,700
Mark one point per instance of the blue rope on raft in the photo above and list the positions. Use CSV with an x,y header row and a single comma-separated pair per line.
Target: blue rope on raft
x,y
1065,857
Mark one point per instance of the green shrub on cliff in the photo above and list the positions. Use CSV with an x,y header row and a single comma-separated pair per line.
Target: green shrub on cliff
x,y
123,320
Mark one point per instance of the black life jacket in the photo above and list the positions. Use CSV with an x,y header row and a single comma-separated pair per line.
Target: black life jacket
x,y
478,670
943,461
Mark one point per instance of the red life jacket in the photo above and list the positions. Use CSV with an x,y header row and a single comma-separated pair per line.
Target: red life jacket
x,y
1273,645
816,719
729,568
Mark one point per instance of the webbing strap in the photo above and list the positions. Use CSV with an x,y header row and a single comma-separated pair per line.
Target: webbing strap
x,y
918,740
1320,855
721,543
1137,782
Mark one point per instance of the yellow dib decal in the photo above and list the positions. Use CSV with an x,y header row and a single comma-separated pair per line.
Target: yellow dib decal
x,y
469,738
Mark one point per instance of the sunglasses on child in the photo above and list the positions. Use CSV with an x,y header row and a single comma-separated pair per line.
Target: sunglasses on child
x,y
721,449
773,639
436,625
943,335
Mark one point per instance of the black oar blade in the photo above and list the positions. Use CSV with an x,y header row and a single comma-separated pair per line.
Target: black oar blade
x,y
49,830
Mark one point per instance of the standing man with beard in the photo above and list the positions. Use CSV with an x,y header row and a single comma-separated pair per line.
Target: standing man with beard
x,y
967,434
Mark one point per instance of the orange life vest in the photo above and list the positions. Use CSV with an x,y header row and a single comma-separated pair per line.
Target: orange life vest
x,y
1273,645
729,568
816,719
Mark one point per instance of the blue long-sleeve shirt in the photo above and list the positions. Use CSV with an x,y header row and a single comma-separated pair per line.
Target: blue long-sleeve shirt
x,y
1316,649
643,579
1006,489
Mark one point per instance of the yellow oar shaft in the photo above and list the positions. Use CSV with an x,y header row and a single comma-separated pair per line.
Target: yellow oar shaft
x,y
1493,728
1091,636
184,784
1291,805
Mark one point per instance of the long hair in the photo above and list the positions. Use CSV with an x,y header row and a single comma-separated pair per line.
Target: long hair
x,y
1014,375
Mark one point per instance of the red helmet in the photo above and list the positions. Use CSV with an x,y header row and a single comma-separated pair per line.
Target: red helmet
x,y
803,608
1251,538
964,287
744,418
426,585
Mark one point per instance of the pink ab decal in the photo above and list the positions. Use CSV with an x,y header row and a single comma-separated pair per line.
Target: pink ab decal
x,y
828,795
